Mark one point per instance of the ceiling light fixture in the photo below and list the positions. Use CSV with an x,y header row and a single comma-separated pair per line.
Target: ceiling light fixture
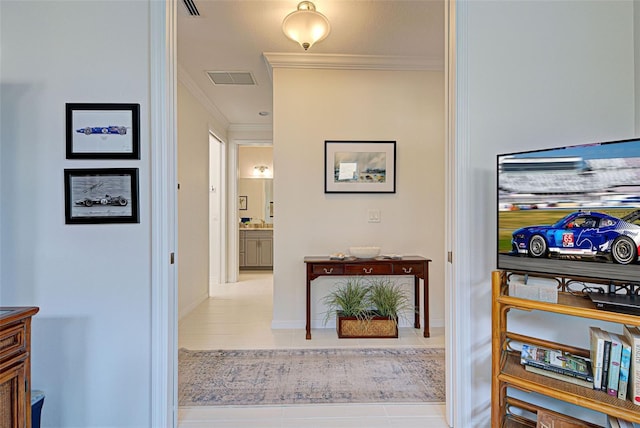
x,y
305,25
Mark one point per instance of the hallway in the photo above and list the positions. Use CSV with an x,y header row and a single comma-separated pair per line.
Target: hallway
x,y
239,317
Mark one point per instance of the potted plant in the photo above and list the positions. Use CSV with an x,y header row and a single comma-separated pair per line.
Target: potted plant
x,y
367,308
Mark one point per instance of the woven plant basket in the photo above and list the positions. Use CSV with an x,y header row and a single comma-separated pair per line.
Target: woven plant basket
x,y
376,327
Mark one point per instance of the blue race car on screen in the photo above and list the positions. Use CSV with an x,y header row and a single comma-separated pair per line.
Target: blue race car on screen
x,y
582,234
111,129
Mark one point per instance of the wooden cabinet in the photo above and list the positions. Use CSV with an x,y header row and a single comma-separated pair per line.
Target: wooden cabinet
x,y
15,366
256,249
507,372
241,246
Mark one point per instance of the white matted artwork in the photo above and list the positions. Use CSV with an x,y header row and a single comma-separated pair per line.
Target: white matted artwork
x,y
360,166
103,131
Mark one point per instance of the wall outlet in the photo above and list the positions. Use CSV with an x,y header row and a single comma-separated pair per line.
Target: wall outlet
x,y
373,216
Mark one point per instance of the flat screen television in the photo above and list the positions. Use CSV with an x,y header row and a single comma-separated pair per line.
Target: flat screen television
x,y
571,211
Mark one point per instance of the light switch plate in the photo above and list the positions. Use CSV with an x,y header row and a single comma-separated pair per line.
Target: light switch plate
x,y
373,216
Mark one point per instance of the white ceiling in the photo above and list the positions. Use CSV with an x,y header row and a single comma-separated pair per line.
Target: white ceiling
x,y
232,35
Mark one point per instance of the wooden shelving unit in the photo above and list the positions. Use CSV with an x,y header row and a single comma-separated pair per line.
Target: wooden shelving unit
x,y
508,372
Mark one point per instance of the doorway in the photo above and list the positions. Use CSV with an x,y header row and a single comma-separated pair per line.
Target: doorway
x,y
230,199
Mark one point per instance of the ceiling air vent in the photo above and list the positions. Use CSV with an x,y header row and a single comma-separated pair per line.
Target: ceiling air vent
x,y
231,77
191,7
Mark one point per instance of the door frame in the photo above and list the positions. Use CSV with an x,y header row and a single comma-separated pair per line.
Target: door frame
x,y
233,228
164,207
163,108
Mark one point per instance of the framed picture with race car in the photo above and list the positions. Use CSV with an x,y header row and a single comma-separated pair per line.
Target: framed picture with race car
x,y
105,195
103,131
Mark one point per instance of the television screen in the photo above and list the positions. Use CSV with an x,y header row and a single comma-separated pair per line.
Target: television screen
x,y
571,211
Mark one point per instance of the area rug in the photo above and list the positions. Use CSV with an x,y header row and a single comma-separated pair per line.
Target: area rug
x,y
310,376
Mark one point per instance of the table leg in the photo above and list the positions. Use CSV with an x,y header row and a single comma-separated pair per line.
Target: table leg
x,y
416,298
426,300
308,308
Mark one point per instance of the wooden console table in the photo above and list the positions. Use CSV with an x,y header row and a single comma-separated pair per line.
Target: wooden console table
x,y
416,266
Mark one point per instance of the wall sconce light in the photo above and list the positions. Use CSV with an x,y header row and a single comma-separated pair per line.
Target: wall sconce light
x,y
305,25
260,170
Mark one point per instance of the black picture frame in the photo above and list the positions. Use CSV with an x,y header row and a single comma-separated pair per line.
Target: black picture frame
x,y
101,195
243,203
359,166
102,131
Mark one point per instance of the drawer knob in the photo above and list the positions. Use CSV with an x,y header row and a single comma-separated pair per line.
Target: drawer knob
x,y
367,270
407,270
328,270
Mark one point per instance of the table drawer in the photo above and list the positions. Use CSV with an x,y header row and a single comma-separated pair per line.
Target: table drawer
x,y
369,269
12,340
408,268
328,269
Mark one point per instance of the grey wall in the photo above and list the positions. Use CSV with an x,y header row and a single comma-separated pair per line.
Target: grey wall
x,y
91,340
540,74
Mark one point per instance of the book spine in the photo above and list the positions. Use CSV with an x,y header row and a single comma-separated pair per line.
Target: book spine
x,y
559,370
605,364
597,347
614,365
633,335
625,361
554,375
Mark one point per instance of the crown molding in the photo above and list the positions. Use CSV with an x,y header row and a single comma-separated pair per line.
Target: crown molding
x,y
350,62
250,127
192,87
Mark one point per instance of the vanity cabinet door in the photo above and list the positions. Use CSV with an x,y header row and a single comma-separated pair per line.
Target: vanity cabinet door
x,y
251,253
266,252
241,249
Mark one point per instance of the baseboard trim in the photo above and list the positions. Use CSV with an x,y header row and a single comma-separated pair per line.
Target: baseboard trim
x,y
187,310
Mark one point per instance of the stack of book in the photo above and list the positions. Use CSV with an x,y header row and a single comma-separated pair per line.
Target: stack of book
x,y
616,362
557,364
613,365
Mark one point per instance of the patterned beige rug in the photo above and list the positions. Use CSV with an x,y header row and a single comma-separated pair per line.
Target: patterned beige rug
x,y
310,376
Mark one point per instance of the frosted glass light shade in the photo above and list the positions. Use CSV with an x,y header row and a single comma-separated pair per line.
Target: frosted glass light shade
x,y
305,25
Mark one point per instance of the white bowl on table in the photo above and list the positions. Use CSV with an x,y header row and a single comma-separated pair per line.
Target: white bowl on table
x,y
364,252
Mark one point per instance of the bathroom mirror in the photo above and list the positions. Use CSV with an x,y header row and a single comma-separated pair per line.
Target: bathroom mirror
x,y
258,204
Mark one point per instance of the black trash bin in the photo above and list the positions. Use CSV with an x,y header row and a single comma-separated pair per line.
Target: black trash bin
x,y
37,400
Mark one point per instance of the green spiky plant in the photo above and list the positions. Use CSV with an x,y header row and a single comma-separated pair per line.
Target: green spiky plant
x,y
388,299
348,299
365,298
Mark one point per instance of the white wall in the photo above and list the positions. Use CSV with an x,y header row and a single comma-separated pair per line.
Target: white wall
x,y
194,123
407,107
91,339
540,74
251,156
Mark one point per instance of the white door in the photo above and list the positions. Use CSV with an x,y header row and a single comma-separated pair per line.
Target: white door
x,y
217,221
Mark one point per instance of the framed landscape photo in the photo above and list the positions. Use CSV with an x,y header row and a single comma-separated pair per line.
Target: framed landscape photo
x,y
360,166
103,131
106,195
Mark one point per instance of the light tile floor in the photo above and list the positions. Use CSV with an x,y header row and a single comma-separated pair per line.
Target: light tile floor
x,y
239,316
